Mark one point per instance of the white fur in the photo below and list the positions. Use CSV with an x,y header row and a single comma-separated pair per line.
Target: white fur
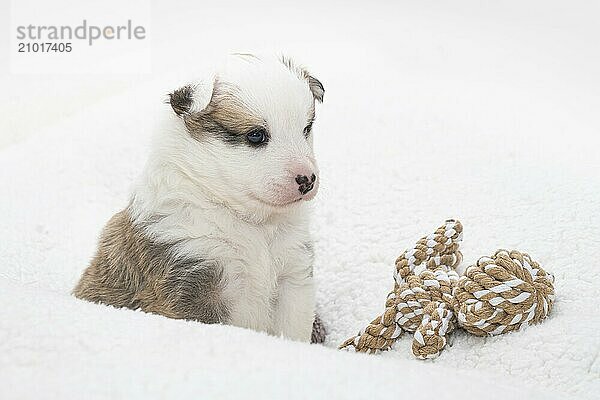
x,y
239,205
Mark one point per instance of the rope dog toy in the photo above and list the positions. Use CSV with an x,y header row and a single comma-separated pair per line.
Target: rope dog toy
x,y
496,295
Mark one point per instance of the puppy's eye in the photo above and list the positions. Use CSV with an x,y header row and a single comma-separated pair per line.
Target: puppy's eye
x,y
257,136
308,129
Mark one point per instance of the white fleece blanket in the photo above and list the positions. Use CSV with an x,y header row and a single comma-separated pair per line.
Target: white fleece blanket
x,y
387,180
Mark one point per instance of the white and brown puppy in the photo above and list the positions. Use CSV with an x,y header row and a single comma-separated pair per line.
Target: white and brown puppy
x,y
217,229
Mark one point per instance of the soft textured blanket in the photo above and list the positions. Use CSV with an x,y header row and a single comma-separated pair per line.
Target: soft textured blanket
x,y
382,189
427,116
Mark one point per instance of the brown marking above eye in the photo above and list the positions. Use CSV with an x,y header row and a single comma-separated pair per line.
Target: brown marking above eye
x,y
226,118
230,112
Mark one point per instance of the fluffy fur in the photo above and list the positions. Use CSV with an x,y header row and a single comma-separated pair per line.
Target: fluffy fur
x,y
217,229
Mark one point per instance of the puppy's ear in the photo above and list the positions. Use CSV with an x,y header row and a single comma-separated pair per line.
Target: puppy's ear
x,y
190,98
182,99
316,87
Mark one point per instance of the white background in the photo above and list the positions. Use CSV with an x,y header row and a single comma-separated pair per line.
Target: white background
x,y
541,53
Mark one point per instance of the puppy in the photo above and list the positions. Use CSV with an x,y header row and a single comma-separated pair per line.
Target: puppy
x,y
217,229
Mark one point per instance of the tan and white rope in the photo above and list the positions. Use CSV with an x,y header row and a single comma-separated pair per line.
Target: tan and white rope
x,y
423,274
496,295
430,337
500,293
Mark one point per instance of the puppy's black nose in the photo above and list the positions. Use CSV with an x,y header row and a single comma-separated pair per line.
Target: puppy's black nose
x,y
305,184
301,179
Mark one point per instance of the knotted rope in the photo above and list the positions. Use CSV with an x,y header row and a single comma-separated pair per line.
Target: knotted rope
x,y
500,293
496,295
423,274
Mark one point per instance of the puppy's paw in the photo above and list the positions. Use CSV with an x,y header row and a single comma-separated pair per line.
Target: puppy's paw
x,y
318,331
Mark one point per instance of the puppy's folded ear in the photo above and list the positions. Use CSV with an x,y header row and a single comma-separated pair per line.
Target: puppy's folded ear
x,y
191,98
316,87
182,99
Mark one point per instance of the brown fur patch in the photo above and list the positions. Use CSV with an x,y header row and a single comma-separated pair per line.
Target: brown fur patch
x,y
130,270
181,99
224,116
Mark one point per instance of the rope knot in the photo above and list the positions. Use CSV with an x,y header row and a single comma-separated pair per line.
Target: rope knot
x,y
497,294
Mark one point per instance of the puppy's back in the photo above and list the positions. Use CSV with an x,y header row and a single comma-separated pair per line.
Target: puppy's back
x,y
114,276
131,270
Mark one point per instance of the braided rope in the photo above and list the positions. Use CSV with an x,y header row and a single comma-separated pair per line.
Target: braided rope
x,y
423,274
498,294
430,337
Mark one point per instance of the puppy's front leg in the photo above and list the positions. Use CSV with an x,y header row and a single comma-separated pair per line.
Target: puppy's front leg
x,y
294,311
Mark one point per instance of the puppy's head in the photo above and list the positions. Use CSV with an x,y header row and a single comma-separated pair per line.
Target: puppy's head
x,y
251,133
